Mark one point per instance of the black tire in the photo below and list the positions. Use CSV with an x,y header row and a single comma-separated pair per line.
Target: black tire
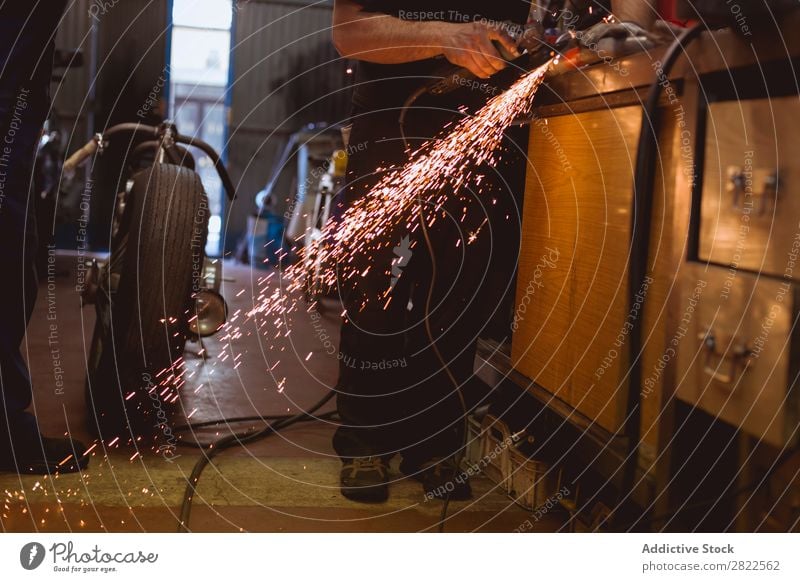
x,y
142,330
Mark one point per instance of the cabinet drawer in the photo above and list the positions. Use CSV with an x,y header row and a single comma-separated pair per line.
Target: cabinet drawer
x,y
738,358
750,201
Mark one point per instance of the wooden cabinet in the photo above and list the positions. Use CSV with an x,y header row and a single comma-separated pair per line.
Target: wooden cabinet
x,y
572,314
739,360
721,317
750,217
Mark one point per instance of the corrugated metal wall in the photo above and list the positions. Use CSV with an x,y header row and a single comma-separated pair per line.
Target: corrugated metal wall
x,y
127,39
132,56
70,96
276,42
286,74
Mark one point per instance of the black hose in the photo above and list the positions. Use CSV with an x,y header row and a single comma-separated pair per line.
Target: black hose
x,y
238,439
224,177
130,127
150,146
459,454
641,219
192,426
227,183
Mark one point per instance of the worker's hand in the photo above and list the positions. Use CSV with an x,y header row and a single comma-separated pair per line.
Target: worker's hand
x,y
470,45
532,37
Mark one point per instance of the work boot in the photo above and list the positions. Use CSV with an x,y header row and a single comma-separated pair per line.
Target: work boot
x,y
45,456
364,479
442,479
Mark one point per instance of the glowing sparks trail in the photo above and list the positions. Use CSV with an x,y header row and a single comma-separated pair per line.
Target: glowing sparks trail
x,y
439,168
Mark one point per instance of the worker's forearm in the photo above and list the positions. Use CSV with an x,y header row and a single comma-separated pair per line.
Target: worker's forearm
x,y
380,38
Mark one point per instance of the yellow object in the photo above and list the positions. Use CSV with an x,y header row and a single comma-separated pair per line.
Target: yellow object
x,y
338,163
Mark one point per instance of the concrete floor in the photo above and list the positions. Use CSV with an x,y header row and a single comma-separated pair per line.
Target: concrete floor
x,y
284,483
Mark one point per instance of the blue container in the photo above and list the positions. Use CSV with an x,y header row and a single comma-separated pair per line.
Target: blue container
x,y
265,240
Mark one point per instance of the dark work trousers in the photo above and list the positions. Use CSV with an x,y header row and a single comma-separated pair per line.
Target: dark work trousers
x,y
394,395
26,55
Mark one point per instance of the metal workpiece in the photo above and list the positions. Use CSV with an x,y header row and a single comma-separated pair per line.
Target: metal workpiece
x,y
717,50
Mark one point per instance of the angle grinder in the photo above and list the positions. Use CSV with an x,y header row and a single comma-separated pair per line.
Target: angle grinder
x,y
537,53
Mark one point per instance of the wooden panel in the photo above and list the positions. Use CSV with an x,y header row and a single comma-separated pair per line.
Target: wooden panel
x,y
544,282
605,142
573,338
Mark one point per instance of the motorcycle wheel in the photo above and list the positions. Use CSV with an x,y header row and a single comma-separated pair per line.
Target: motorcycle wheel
x,y
153,272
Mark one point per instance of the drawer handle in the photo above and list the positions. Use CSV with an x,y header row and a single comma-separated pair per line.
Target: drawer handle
x,y
767,192
724,366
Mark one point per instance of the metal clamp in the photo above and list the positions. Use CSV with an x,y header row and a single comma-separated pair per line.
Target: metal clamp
x,y
743,184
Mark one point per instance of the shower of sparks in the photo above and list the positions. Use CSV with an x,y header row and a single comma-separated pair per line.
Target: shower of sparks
x,y
438,169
